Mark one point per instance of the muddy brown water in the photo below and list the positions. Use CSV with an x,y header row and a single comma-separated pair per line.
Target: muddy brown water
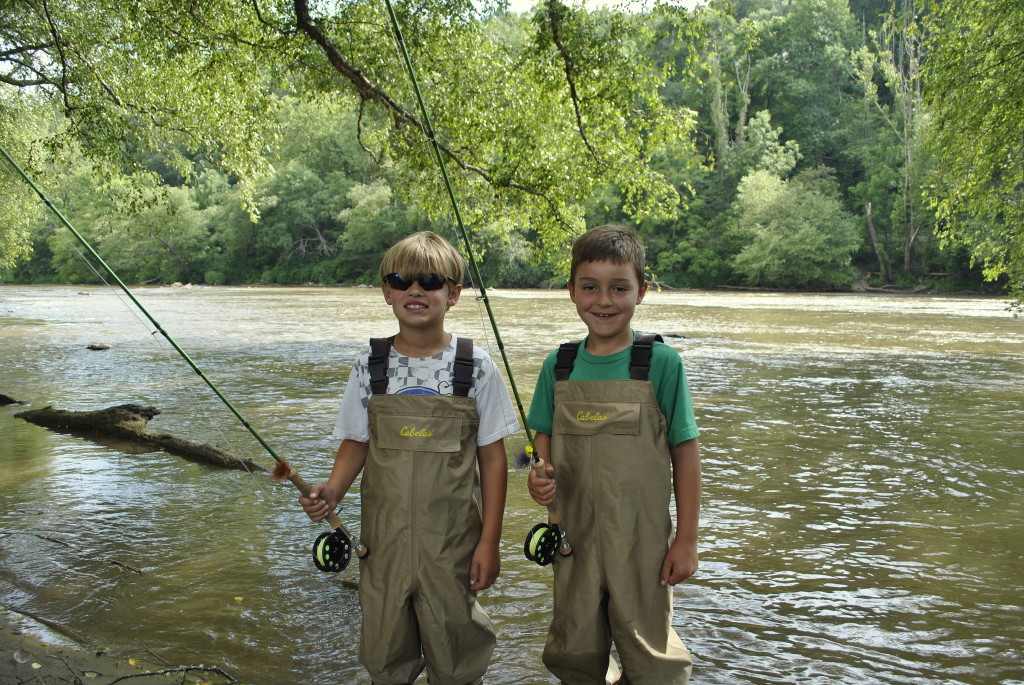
x,y
863,459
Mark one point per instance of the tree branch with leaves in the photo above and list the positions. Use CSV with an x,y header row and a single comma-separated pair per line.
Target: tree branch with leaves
x,y
198,83
974,84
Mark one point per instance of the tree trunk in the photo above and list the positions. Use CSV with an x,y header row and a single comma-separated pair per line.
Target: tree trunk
x,y
719,115
883,263
743,84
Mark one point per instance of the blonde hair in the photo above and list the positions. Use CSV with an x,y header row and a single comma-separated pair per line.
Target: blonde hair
x,y
423,253
617,244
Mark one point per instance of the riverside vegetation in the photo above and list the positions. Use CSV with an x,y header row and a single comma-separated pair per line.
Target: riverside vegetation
x,y
806,144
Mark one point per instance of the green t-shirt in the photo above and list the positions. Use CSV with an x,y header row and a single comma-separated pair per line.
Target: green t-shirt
x,y
667,375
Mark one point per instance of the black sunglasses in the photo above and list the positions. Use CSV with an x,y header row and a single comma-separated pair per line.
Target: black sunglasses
x,y
427,281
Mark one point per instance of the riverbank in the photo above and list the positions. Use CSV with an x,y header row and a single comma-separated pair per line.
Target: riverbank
x,y
31,653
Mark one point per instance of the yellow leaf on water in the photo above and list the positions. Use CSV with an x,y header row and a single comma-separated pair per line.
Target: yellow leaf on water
x,y
133,662
36,665
238,599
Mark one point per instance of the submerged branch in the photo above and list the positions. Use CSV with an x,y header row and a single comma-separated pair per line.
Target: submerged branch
x,y
128,422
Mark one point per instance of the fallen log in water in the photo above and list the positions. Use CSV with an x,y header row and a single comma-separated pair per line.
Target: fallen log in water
x,y
128,422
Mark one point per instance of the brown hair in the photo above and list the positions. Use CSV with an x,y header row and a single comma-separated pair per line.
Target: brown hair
x,y
617,244
423,253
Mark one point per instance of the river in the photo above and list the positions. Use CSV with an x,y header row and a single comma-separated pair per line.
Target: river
x,y
862,454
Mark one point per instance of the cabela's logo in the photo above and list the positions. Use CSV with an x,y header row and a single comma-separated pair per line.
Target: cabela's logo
x,y
410,432
591,416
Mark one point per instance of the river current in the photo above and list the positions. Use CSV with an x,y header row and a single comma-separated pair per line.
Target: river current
x,y
863,459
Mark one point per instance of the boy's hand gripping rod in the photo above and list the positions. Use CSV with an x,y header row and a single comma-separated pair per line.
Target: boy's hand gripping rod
x,y
545,538
332,551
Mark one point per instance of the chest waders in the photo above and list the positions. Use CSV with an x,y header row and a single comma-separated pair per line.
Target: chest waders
x,y
611,455
421,516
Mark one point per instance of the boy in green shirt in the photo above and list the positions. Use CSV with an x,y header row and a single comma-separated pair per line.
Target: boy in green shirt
x,y
615,425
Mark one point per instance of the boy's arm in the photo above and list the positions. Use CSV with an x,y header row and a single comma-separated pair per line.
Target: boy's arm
x,y
681,561
493,484
324,498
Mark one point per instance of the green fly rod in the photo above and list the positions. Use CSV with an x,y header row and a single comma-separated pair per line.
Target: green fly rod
x,y
545,538
327,546
436,150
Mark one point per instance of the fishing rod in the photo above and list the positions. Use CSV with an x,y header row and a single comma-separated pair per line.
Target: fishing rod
x,y
333,550
439,158
545,538
550,532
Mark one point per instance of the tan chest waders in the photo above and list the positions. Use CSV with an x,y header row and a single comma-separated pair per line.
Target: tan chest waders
x,y
421,519
613,467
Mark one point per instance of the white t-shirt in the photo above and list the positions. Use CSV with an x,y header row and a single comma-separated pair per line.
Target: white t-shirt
x,y
428,376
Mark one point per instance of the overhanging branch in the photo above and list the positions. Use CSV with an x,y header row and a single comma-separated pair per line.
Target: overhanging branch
x,y
371,92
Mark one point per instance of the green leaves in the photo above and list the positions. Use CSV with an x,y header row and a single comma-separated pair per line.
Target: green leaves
x,y
976,90
549,122
533,115
799,234
23,116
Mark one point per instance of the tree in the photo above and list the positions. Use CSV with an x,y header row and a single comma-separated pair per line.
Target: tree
x,y
140,76
728,63
802,75
975,88
373,222
698,248
532,114
23,115
799,234
890,137
165,241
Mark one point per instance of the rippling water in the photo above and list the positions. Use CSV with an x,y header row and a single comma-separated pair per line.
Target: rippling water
x,y
863,461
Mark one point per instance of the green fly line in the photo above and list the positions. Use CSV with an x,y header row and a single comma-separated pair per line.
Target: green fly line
x,y
332,551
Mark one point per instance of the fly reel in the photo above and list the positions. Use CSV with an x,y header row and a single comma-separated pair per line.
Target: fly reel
x,y
332,551
542,542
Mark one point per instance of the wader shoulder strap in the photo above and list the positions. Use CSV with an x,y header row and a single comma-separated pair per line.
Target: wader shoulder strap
x,y
640,360
380,348
565,359
639,363
462,380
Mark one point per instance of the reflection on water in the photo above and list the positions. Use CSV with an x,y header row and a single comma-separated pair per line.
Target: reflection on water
x,y
862,462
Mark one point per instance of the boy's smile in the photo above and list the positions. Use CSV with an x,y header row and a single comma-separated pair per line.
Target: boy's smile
x,y
606,295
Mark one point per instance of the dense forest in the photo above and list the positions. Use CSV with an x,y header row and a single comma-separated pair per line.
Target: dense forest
x,y
797,144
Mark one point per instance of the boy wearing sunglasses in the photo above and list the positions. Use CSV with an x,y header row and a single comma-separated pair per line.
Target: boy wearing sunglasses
x,y
615,425
423,417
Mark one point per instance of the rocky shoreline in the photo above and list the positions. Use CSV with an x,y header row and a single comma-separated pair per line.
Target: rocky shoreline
x,y
34,654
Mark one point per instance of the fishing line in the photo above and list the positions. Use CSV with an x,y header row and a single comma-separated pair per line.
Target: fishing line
x,y
332,551
198,403
474,266
543,536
